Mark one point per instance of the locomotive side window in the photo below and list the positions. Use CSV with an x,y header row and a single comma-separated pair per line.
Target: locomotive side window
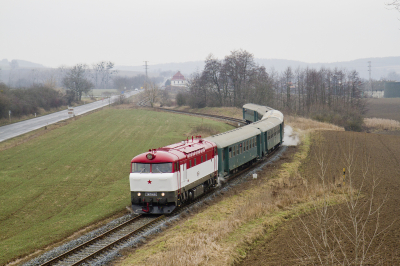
x,y
140,168
162,168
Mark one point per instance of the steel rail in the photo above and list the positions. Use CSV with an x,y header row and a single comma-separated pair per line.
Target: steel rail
x,y
241,121
71,251
116,242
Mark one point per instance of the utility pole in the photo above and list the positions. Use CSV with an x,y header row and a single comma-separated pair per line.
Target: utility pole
x,y
370,81
146,67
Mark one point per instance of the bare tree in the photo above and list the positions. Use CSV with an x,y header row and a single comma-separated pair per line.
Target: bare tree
x,y
76,80
101,74
394,4
151,91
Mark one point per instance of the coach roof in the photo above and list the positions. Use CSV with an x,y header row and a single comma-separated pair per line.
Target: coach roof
x,y
234,136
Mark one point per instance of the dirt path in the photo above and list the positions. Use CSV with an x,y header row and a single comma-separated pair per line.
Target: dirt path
x,y
384,153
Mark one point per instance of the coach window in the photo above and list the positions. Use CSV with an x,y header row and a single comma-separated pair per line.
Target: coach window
x,y
202,159
206,157
194,161
230,152
190,163
247,145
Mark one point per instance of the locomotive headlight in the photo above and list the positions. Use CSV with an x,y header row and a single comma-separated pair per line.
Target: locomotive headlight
x,y
139,194
162,194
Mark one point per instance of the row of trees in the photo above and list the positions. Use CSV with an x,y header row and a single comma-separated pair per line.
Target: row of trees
x,y
100,74
29,100
230,82
329,95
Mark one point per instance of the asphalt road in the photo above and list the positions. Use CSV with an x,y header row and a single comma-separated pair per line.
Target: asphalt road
x,y
16,129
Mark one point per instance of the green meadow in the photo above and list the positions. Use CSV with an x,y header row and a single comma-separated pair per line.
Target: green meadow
x,y
77,174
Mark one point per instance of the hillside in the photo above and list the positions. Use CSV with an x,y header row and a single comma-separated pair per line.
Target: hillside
x,y
381,67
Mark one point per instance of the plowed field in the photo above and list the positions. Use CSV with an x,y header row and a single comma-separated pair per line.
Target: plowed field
x,y
384,154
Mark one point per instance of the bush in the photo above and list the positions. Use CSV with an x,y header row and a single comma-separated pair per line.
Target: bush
x,y
180,99
24,101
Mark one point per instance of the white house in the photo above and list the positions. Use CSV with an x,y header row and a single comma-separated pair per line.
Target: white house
x,y
178,80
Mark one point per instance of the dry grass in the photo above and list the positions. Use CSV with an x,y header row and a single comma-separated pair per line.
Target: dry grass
x,y
309,124
224,232
381,124
224,111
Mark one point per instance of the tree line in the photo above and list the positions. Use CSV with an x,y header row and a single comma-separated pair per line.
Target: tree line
x,y
26,101
324,94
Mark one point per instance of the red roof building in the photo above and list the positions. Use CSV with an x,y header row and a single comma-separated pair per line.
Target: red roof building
x,y
178,80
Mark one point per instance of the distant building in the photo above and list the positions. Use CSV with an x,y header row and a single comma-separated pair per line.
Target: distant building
x,y
392,89
178,80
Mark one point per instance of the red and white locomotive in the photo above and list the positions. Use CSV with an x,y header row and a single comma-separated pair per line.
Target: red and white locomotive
x,y
164,178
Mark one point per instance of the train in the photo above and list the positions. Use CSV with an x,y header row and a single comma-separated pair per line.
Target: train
x,y
163,179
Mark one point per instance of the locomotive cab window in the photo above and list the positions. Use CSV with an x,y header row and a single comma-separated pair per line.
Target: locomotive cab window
x,y
161,168
140,168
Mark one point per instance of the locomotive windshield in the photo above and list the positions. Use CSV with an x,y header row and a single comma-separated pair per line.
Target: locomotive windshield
x,y
152,168
140,168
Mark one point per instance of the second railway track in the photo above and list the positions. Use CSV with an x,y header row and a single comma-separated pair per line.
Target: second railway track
x,y
240,122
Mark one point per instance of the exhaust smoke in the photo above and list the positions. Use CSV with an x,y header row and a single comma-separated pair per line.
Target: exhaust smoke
x,y
290,138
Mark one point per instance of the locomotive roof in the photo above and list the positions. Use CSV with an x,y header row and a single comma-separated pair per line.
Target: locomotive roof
x,y
233,136
174,152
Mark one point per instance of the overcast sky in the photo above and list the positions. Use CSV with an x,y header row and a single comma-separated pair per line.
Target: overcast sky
x,y
56,32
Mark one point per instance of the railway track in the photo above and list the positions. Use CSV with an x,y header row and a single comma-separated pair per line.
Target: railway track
x,y
93,250
113,239
240,122
98,245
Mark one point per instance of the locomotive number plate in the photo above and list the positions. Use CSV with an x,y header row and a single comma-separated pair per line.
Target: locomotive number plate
x,y
151,194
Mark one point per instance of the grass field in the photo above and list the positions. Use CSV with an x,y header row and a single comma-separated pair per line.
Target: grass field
x,y
77,174
387,108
